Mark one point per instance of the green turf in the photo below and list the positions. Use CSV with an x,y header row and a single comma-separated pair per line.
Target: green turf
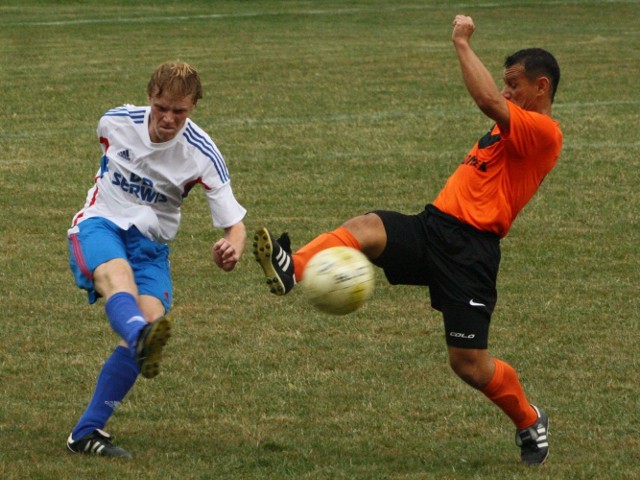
x,y
323,110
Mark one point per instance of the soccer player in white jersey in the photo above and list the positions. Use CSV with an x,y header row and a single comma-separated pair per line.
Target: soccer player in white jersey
x,y
152,157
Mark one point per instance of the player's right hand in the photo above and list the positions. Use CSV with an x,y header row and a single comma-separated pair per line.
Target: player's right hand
x,y
463,28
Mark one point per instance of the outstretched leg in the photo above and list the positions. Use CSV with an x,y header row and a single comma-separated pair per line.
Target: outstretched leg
x,y
283,269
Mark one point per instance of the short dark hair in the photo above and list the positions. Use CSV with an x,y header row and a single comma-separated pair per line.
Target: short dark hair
x,y
537,63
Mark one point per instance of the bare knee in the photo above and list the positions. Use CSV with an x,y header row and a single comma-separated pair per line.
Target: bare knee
x,y
474,367
151,307
467,371
114,276
370,233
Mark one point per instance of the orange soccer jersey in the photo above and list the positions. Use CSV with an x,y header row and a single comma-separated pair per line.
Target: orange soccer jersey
x,y
501,173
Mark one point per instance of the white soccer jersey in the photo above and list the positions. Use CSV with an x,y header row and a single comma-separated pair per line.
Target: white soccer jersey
x,y
143,183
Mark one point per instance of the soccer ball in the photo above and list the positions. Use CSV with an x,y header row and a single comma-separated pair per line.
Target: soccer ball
x,y
338,280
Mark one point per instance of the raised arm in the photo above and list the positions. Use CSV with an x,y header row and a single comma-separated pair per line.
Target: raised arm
x,y
477,79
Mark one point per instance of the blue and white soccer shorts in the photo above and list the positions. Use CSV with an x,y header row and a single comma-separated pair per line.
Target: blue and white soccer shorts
x,y
98,240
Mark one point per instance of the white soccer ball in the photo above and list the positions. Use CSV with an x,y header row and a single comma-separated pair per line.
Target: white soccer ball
x,y
338,280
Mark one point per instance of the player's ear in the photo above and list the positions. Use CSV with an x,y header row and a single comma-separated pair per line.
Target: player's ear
x,y
543,84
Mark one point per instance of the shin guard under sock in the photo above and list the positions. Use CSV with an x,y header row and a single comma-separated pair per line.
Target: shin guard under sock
x,y
340,237
118,375
505,391
125,317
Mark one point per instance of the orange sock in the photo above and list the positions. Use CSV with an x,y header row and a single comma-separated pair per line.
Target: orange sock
x,y
505,391
340,237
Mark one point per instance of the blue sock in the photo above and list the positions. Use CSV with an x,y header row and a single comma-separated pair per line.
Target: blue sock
x,y
116,378
125,317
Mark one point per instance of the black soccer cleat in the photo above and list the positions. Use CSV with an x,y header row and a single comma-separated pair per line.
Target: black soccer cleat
x,y
152,339
534,441
274,256
96,443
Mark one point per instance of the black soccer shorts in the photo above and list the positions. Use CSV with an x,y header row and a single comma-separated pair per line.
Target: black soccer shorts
x,y
458,263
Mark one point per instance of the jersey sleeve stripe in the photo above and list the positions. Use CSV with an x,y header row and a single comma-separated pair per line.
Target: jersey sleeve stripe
x,y
208,150
137,116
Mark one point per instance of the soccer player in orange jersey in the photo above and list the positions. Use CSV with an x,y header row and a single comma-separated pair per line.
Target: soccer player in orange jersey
x,y
453,246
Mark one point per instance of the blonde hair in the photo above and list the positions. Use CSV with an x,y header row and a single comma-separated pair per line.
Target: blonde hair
x,y
176,79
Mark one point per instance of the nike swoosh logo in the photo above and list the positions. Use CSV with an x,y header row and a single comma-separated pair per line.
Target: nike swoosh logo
x,y
476,304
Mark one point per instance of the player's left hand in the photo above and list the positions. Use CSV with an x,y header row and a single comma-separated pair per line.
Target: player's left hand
x,y
225,255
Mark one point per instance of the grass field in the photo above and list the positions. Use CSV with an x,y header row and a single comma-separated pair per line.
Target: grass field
x,y
323,110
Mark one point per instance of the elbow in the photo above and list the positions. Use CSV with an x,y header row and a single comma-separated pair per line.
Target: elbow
x,y
487,103
494,108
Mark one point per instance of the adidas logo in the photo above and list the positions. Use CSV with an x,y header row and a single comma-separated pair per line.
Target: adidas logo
x,y
112,404
283,260
125,155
